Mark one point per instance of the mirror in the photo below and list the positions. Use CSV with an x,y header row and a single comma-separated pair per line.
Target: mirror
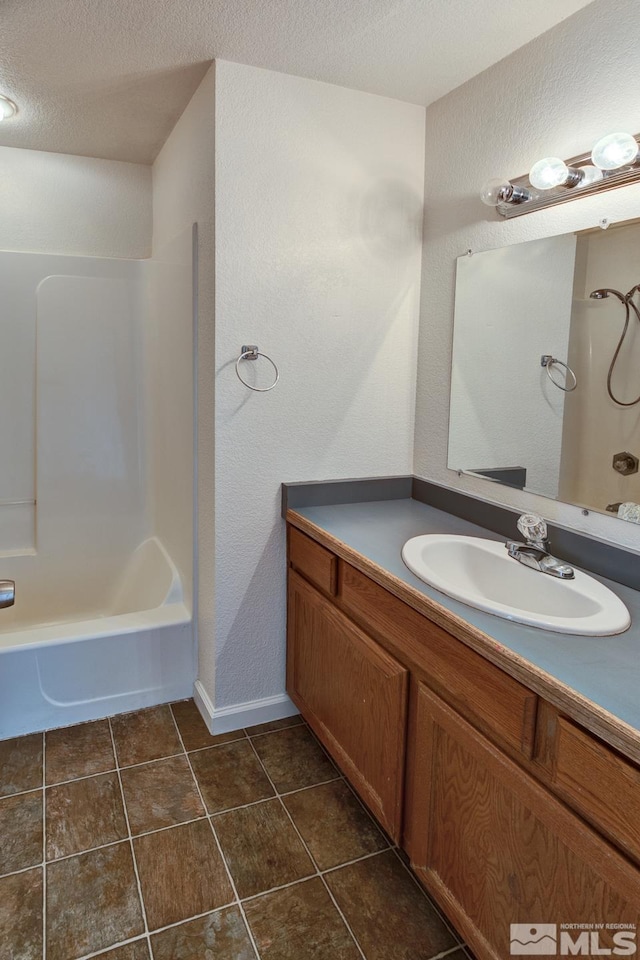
x,y
543,383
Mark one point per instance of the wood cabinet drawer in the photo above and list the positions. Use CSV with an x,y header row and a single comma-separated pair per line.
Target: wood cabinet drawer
x,y
500,705
598,783
314,562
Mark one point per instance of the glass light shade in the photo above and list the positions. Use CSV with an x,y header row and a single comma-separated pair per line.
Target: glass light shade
x,y
548,173
494,192
614,151
7,108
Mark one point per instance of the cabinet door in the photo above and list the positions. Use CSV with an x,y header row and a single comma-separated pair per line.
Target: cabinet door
x,y
354,696
495,848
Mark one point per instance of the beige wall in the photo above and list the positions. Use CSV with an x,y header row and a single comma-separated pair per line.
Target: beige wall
x,y
556,96
318,248
55,203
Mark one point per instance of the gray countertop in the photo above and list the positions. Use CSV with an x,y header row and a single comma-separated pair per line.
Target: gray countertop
x,y
604,670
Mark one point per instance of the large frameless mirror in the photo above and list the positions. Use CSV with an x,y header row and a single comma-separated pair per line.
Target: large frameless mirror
x,y
545,386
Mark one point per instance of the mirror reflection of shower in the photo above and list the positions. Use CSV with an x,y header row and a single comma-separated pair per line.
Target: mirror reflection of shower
x,y
626,299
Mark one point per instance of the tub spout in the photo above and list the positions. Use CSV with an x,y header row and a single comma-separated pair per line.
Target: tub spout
x,y
7,593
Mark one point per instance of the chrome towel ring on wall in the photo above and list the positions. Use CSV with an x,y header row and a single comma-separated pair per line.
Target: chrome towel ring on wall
x,y
547,361
251,352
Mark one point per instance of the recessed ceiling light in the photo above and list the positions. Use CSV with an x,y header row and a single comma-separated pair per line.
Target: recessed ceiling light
x,y
7,108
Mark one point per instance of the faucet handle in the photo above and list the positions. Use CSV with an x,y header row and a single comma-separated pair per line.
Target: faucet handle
x,y
533,528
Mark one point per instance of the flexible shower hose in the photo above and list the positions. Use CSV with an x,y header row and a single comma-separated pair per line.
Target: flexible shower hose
x,y
628,305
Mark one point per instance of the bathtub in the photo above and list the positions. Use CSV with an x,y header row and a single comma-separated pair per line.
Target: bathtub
x,y
136,650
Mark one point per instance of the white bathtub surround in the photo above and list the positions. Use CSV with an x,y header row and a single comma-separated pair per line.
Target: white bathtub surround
x,y
559,94
318,229
102,618
169,397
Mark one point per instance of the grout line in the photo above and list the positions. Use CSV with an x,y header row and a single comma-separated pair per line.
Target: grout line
x,y
321,783
104,846
254,803
220,850
44,851
21,793
214,746
15,873
311,857
267,733
196,916
133,853
114,946
313,876
447,953
348,863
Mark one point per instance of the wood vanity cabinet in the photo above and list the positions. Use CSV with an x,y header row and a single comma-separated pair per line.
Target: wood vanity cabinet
x,y
494,847
510,812
353,694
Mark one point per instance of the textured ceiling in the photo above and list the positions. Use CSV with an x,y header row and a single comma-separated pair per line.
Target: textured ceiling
x,y
109,78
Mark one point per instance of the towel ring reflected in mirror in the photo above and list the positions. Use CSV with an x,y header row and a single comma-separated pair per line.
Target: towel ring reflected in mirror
x,y
547,361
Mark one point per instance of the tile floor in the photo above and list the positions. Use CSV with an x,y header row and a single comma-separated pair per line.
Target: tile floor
x,y
143,836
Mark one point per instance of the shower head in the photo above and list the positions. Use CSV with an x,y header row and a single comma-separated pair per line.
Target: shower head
x,y
603,293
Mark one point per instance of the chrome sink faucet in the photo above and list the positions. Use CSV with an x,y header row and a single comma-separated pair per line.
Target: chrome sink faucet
x,y
533,552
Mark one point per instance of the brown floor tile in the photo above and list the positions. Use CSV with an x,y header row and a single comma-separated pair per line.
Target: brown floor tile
x,y
160,794
230,776
274,725
333,824
388,914
139,950
261,848
222,935
293,759
92,902
299,923
193,729
79,751
181,873
145,735
21,916
20,831
20,764
84,814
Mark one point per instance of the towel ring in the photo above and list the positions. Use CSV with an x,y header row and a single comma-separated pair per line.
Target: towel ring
x,y
251,352
547,361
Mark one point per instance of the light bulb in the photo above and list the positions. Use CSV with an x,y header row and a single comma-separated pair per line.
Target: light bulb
x,y
590,175
548,173
614,151
495,192
7,108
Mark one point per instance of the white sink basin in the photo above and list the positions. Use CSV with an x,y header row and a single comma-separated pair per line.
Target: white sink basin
x,y
482,574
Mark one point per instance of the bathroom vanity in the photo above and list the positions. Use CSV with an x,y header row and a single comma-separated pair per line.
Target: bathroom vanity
x,y
515,794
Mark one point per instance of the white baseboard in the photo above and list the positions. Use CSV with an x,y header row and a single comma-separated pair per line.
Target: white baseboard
x,y
238,715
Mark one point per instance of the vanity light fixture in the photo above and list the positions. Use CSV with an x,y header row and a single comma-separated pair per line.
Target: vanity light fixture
x,y
613,162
